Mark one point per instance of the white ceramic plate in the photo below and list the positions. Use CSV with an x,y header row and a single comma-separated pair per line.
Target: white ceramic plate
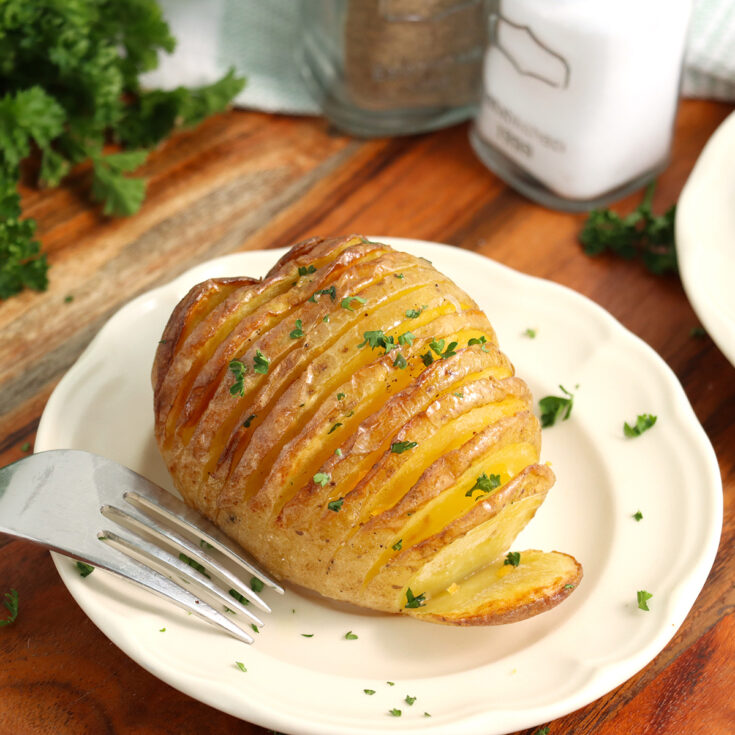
x,y
705,237
471,681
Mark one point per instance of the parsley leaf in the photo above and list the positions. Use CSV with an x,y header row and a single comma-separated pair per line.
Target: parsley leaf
x,y
350,636
260,363
484,484
398,545
438,347
414,601
331,292
321,478
410,700
11,605
340,396
512,558
414,313
240,598
306,270
395,712
84,569
556,408
697,331
346,302
427,358
643,598
240,665
307,635
377,338
298,332
335,505
643,423
638,516
256,585
639,234
400,362
398,275
192,563
254,627
530,333
401,447
406,338
335,426
25,447
369,692
238,369
249,420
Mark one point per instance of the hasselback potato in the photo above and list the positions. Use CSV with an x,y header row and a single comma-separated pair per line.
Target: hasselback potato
x,y
351,422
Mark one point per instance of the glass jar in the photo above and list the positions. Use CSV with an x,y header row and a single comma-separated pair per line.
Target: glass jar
x,y
394,67
580,96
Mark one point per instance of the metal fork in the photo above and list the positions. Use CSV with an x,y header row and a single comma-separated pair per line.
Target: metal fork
x,y
87,507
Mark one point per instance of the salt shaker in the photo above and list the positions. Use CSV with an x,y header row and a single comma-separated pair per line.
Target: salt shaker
x,y
580,96
394,67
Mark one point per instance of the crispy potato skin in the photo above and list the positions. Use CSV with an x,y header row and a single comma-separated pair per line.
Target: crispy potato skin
x,y
353,398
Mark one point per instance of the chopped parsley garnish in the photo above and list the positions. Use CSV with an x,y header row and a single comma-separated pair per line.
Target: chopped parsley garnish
x,y
643,423
350,636
481,340
401,447
11,605
641,233
568,586
426,714
413,601
205,544
305,270
406,338
84,569
68,299
242,600
335,505
698,331
240,665
513,558
297,333
254,627
335,426
398,545
377,338
400,362
556,408
191,562
390,683
643,598
438,346
415,313
322,478
485,484
256,585
260,363
25,447
338,452
325,318
395,712
638,515
340,396
369,692
331,292
238,369
249,420
541,731
398,275
410,700
346,302
348,415
530,333
427,358
459,395
162,630
307,635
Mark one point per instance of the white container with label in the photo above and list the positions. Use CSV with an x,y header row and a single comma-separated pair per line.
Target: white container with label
x,y
580,96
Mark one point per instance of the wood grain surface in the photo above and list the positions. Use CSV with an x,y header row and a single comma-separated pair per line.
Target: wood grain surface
x,y
246,180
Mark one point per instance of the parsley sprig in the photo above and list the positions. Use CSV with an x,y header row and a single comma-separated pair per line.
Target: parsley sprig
x,y
640,234
69,82
556,408
414,601
485,485
643,422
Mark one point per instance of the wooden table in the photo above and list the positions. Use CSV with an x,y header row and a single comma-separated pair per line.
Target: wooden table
x,y
243,181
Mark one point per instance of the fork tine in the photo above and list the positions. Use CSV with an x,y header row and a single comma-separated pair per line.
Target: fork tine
x,y
173,563
165,505
152,580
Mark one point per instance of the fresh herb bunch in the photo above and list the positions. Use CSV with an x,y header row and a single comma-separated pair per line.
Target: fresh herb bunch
x,y
639,234
69,84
